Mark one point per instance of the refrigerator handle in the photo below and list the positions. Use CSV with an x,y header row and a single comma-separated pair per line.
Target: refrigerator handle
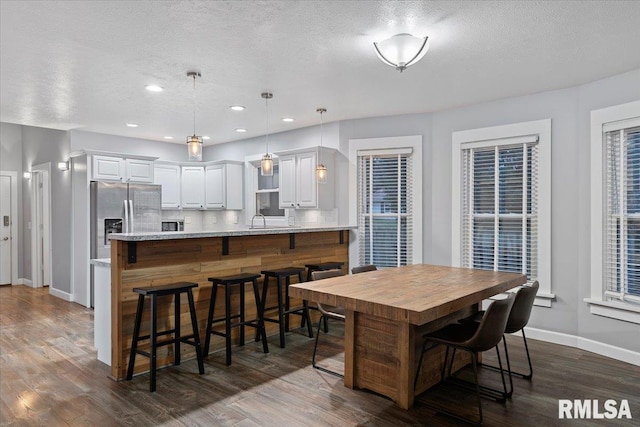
x,y
126,216
131,216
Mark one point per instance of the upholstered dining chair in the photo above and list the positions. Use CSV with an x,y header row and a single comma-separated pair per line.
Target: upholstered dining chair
x,y
363,269
472,338
326,312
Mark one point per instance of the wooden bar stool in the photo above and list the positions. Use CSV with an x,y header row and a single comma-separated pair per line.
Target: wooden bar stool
x,y
154,292
258,323
283,277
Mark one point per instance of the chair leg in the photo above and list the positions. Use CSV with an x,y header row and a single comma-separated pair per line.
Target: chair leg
x,y
506,353
281,317
474,362
526,347
136,333
261,329
196,334
315,349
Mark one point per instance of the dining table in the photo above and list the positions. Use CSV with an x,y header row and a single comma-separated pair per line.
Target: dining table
x,y
387,312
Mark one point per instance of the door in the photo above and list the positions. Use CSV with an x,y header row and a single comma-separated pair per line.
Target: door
x,y
215,186
145,208
5,230
287,166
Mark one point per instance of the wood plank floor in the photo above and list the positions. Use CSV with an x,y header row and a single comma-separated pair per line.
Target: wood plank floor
x,y
49,375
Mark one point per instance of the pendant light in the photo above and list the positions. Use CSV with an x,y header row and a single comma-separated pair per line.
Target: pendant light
x,y
194,142
266,165
321,169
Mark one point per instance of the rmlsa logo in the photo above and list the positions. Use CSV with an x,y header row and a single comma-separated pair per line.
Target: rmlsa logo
x,y
590,409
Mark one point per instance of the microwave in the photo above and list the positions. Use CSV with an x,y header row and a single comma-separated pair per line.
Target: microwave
x,y
173,225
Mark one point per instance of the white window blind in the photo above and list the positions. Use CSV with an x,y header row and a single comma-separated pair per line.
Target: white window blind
x,y
622,234
500,206
385,208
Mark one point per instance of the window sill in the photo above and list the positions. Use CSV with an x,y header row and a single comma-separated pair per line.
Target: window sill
x,y
542,299
614,310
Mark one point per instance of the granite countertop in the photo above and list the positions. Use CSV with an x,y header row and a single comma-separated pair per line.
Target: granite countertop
x,y
101,262
171,235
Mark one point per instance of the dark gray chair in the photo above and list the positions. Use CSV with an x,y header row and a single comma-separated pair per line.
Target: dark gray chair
x,y
472,338
363,269
326,312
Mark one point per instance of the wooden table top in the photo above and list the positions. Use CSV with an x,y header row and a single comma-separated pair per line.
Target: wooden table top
x,y
416,294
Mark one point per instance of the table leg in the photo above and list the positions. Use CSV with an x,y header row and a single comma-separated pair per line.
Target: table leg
x,y
349,348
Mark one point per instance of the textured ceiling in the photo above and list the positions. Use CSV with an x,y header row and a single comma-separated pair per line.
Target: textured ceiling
x,y
84,64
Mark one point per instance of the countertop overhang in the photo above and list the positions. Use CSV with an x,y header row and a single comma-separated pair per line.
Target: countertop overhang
x,y
172,235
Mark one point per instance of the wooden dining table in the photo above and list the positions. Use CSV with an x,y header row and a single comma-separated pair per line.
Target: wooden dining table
x,y
389,310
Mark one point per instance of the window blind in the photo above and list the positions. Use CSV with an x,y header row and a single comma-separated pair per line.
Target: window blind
x,y
622,240
499,206
385,208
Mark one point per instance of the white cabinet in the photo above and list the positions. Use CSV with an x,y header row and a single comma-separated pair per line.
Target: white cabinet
x,y
223,186
112,168
192,187
169,177
299,187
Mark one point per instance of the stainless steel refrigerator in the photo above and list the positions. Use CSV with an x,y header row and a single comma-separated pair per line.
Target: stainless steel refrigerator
x,y
121,208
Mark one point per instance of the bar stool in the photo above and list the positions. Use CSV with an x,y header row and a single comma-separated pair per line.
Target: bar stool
x,y
154,292
258,323
322,266
283,276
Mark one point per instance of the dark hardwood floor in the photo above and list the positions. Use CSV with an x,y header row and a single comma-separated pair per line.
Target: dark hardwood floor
x,y
49,375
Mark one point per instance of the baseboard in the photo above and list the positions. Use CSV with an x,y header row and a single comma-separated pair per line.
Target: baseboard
x,y
60,294
618,353
23,281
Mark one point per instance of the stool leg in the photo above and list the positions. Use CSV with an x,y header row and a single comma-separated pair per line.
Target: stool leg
x,y
196,334
305,314
309,271
154,338
212,304
287,305
242,319
281,316
263,301
136,334
227,326
259,309
176,333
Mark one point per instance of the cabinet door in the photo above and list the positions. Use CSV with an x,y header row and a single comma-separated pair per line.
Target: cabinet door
x,y
306,185
168,176
193,187
139,170
287,167
107,168
215,187
235,187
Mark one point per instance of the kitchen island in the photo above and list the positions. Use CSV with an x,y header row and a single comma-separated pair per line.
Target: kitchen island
x,y
151,259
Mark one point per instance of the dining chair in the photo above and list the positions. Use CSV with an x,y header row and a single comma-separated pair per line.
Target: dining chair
x,y
326,312
363,269
518,319
472,338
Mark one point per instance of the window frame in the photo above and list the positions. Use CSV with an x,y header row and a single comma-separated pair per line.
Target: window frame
x,y
413,142
488,137
251,179
620,310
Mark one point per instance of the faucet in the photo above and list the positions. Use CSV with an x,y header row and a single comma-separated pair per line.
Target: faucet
x,y
264,220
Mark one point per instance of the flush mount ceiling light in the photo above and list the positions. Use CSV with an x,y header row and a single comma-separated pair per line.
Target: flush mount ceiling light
x,y
241,130
132,125
266,165
321,169
194,142
402,50
154,88
237,107
288,119
168,137
206,138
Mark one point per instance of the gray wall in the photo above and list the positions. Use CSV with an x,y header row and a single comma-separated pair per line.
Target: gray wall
x,y
11,160
40,146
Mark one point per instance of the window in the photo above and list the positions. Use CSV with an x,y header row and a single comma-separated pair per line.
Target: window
x,y
501,202
615,212
385,208
268,195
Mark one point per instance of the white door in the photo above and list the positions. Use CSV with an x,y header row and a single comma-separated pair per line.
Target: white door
x,y
5,230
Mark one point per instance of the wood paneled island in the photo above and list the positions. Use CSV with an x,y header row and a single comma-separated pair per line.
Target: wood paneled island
x,y
150,259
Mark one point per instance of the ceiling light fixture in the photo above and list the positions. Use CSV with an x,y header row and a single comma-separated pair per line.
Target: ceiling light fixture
x,y
194,142
154,88
167,137
402,50
132,125
288,119
266,165
241,130
321,169
206,138
237,107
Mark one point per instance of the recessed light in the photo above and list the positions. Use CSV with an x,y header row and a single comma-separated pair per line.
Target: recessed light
x,y
237,107
206,137
154,88
132,125
241,130
168,137
287,119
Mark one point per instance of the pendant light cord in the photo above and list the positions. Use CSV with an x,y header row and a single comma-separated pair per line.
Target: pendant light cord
x,y
194,104
266,100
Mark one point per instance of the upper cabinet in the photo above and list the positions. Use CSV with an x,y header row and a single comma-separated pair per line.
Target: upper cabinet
x,y
112,168
169,177
223,186
299,187
193,187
